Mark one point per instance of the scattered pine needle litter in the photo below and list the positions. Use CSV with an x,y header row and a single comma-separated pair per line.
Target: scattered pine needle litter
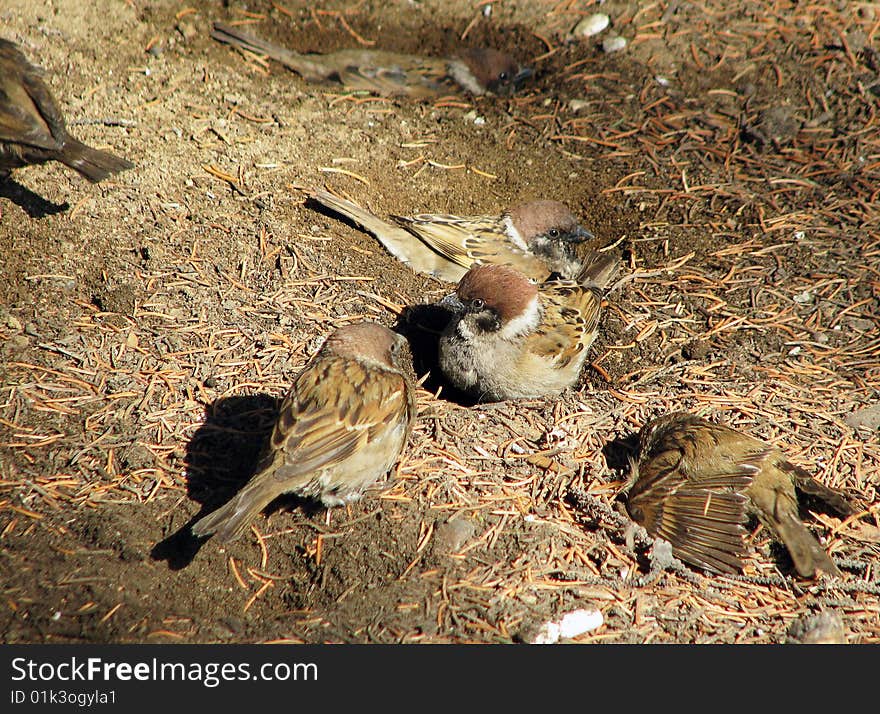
x,y
742,196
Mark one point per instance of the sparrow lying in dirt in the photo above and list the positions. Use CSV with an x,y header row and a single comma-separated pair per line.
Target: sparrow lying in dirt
x,y
389,74
342,426
510,338
537,238
32,130
696,483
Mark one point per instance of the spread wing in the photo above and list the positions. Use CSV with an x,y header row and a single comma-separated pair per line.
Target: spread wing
x,y
692,496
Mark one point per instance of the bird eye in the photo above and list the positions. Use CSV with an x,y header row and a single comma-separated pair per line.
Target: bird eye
x,y
553,233
503,76
478,303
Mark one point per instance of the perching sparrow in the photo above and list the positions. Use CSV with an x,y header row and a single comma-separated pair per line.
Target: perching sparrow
x,y
390,74
696,483
535,238
510,338
342,426
32,130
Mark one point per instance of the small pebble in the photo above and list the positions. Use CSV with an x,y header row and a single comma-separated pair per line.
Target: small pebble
x,y
867,418
578,622
449,537
822,628
187,29
860,324
592,25
613,44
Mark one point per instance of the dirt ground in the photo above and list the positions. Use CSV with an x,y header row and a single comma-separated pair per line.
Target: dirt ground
x,y
730,152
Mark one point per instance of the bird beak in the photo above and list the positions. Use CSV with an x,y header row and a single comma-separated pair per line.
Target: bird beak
x,y
579,235
521,76
452,304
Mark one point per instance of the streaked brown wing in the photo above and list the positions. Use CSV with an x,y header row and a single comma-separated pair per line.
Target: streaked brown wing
x,y
464,240
28,113
703,519
387,74
334,408
392,81
598,269
710,455
571,317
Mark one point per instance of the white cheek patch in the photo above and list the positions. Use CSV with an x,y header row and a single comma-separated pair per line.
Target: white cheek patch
x,y
523,323
462,74
464,331
514,235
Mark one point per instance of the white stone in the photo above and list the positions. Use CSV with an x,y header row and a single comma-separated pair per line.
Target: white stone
x,y
578,622
592,25
613,44
547,635
571,624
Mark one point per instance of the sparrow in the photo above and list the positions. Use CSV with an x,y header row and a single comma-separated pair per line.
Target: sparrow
x,y
32,130
537,238
696,484
510,338
388,74
342,426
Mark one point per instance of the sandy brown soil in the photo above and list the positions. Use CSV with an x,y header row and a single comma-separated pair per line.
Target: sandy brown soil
x,y
149,324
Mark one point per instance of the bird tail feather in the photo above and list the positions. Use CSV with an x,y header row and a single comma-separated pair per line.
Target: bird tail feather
x,y
808,556
398,241
228,522
231,35
599,269
94,164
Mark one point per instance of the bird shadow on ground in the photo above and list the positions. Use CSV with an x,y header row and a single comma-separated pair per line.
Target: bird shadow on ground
x,y
318,207
220,458
31,203
422,326
618,452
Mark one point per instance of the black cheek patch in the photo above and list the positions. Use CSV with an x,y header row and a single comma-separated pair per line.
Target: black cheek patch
x,y
501,86
488,322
